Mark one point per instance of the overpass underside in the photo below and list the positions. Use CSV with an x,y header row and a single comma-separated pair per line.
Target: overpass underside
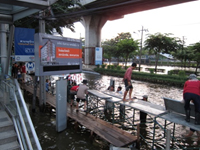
x,y
123,7
97,13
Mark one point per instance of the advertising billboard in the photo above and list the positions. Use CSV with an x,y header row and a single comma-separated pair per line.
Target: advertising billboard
x,y
24,44
98,55
56,55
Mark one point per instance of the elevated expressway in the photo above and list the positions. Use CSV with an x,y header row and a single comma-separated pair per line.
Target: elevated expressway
x,y
97,12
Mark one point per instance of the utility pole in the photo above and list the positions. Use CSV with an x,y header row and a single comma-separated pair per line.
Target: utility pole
x,y
183,51
146,30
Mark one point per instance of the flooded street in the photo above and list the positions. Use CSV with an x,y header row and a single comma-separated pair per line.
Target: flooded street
x,y
71,139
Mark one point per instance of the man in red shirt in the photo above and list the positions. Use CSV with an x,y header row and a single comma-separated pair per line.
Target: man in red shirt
x,y
127,81
73,92
191,91
23,73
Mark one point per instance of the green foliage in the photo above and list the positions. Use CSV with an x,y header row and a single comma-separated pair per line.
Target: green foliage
x,y
172,80
160,43
112,67
98,66
170,72
109,66
151,71
118,67
125,67
181,73
103,66
61,7
127,47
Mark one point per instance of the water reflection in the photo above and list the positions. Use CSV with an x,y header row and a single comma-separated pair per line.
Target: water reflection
x,y
72,139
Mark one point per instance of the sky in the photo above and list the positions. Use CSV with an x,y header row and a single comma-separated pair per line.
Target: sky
x,y
181,20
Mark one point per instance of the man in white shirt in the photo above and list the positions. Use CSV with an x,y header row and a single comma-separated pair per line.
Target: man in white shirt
x,y
81,95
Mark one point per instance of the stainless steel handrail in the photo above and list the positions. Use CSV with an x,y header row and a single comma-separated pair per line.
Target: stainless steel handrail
x,y
12,88
28,117
20,115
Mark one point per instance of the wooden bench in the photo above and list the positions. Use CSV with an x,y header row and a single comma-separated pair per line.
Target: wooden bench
x,y
175,113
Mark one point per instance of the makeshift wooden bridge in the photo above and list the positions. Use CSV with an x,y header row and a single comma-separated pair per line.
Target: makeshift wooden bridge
x,y
110,100
105,130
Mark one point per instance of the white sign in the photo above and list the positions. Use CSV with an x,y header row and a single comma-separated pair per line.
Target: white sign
x,y
30,67
98,56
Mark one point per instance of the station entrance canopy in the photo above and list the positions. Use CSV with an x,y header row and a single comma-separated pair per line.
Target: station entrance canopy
x,y
12,10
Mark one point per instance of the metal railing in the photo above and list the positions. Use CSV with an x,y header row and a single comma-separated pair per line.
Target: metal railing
x,y
14,102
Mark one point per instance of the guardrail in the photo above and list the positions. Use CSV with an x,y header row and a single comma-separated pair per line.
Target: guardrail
x,y
16,107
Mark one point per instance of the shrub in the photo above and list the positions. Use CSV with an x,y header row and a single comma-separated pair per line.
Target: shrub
x,y
98,66
119,67
125,67
170,72
151,70
112,66
103,66
181,73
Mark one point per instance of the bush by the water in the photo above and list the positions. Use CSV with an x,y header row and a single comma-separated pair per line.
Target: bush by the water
x,y
174,80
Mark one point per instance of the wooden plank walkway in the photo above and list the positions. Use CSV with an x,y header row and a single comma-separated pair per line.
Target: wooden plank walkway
x,y
105,130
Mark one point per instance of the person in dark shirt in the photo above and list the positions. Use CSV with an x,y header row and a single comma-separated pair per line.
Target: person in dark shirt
x,y
143,115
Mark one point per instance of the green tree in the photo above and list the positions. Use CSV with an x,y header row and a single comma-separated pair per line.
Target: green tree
x,y
49,15
195,52
160,43
127,47
122,36
109,47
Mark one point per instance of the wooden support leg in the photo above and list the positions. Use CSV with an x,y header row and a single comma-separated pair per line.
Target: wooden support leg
x,y
138,137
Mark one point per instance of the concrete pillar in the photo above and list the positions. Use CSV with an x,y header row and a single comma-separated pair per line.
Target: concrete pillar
x,y
93,25
3,47
42,78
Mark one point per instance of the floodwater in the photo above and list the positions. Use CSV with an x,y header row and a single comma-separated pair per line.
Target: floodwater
x,y
78,138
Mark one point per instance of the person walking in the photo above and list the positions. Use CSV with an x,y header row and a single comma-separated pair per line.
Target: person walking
x,y
13,70
23,69
16,71
81,95
191,91
127,81
73,92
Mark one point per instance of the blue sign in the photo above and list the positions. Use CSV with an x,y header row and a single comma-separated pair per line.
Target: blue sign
x,y
24,41
30,65
98,55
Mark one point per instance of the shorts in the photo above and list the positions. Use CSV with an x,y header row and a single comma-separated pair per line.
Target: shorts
x,y
72,96
127,87
78,100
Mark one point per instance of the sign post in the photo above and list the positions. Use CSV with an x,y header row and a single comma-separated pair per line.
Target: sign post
x,y
98,56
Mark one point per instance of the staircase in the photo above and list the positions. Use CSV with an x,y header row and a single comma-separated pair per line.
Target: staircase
x,y
8,136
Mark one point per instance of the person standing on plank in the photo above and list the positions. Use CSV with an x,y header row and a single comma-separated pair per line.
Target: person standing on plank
x,y
127,81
